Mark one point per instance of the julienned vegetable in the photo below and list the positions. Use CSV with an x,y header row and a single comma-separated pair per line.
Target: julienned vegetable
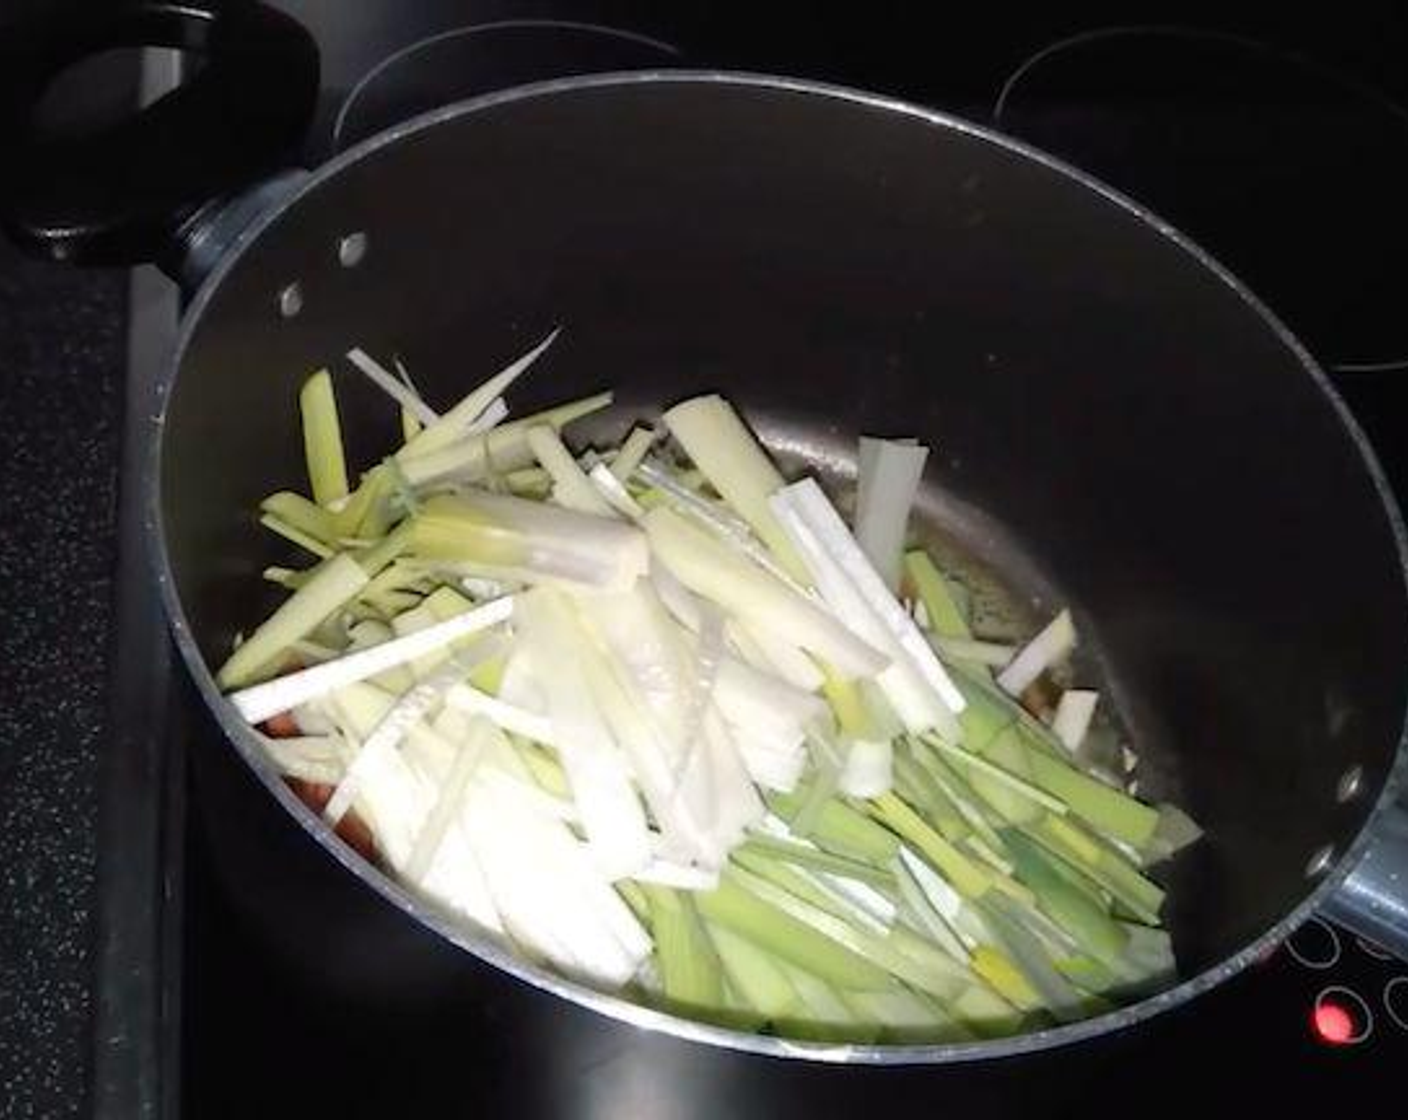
x,y
665,723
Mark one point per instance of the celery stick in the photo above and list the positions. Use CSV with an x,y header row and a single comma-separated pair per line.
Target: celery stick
x,y
828,758
571,486
709,567
945,617
690,973
787,938
393,577
628,457
946,976
734,462
1148,954
529,482
977,846
297,536
791,879
999,970
991,711
961,795
1006,921
330,586
814,859
923,913
1174,832
531,540
841,828
1094,930
966,876
931,972
1087,973
986,1012
501,449
917,786
982,720
389,548
452,424
284,577
362,514
1107,809
297,511
824,1016
905,1016
322,439
754,974
1104,866
1001,765
391,604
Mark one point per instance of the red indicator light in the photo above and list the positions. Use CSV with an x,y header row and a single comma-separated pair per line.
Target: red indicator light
x,y
1333,1024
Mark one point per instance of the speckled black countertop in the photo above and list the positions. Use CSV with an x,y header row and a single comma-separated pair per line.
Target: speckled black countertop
x,y
61,366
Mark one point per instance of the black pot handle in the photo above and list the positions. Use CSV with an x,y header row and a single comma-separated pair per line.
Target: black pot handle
x,y
122,194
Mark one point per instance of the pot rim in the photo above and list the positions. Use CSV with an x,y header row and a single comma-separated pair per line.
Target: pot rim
x,y
487,948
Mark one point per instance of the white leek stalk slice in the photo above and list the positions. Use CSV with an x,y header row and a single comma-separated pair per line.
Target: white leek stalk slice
x,y
666,873
782,656
614,492
717,519
734,462
1073,715
888,474
449,801
452,425
765,703
322,439
868,770
393,386
570,485
510,717
710,568
331,585
770,764
494,414
552,898
1054,641
394,723
259,702
311,758
530,540
636,447
612,815
915,682
500,450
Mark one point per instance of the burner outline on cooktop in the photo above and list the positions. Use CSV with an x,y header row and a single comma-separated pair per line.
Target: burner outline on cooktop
x,y
399,55
1347,83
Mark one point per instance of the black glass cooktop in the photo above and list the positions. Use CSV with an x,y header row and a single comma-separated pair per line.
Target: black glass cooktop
x,y
1292,171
